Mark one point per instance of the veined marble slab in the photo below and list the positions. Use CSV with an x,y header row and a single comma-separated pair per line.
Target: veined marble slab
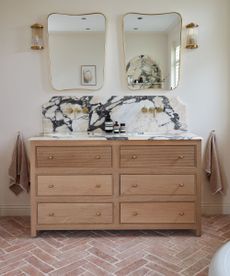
x,y
64,113
128,136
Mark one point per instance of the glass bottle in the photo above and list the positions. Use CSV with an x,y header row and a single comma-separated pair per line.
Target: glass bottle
x,y
108,123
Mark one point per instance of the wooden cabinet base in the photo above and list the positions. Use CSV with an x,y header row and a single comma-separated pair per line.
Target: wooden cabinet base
x,y
96,185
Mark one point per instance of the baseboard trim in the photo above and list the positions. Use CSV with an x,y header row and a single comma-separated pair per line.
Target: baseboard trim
x,y
215,209
24,210
14,210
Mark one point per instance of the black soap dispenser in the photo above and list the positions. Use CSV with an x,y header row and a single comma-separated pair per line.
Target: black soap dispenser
x,y
108,123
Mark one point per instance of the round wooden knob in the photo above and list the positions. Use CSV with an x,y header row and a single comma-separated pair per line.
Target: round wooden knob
x,y
135,214
98,186
181,157
134,157
181,214
50,157
98,214
51,186
181,185
134,185
98,157
51,214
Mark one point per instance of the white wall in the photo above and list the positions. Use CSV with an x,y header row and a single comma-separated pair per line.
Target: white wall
x,y
24,75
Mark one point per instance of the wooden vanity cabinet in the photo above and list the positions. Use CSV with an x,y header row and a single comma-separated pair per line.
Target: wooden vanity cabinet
x,y
115,184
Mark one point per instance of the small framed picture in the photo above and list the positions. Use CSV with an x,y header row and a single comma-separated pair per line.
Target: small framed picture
x,y
88,75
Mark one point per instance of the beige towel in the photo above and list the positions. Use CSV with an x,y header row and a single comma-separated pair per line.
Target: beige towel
x,y
19,168
212,165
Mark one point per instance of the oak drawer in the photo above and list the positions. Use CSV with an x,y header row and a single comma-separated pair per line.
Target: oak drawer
x,y
158,212
157,156
67,213
74,156
157,185
72,185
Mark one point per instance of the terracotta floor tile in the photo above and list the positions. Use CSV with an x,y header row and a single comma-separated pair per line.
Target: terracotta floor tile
x,y
105,253
196,267
131,268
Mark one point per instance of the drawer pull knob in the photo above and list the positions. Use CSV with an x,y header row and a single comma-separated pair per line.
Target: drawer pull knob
x,y
134,157
181,185
134,185
181,157
50,157
135,214
51,214
98,214
98,186
98,157
51,186
181,214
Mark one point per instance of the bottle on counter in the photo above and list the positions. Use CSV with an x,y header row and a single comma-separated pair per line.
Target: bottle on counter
x,y
108,123
116,128
122,128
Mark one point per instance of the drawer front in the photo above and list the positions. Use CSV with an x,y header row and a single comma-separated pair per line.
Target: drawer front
x,y
73,185
158,212
68,213
157,156
81,157
157,185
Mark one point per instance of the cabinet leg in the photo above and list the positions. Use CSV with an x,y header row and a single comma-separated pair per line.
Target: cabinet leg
x,y
198,232
33,232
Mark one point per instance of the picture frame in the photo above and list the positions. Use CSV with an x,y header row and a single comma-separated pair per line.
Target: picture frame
x,y
88,75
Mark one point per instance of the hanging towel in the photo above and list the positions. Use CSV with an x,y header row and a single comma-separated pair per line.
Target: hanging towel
x,y
212,165
19,168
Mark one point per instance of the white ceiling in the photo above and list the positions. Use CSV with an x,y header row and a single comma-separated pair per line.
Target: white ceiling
x,y
75,23
151,23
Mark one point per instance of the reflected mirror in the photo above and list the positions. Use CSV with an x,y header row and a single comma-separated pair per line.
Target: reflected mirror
x,y
77,50
152,45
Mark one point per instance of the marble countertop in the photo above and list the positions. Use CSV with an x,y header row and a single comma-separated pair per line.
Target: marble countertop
x,y
177,135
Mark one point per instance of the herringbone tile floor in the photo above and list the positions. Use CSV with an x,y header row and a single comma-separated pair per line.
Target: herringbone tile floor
x,y
86,253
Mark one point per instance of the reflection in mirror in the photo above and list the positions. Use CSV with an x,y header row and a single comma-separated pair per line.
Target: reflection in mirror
x,y
77,50
152,46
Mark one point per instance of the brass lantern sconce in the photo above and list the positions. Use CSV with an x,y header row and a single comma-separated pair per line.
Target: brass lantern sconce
x,y
192,35
37,37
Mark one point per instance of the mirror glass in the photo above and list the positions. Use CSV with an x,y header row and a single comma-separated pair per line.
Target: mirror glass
x,y
152,45
77,50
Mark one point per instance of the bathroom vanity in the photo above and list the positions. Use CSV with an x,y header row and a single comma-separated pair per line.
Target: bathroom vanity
x,y
135,182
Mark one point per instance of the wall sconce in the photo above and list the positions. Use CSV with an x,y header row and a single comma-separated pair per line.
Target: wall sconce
x,y
37,37
192,34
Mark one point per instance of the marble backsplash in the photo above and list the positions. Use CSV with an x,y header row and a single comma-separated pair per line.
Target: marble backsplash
x,y
159,114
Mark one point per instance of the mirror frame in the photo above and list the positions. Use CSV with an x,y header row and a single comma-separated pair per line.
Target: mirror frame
x,y
124,50
105,47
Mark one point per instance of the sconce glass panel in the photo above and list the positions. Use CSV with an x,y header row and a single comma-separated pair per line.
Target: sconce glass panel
x,y
77,51
152,47
192,36
37,37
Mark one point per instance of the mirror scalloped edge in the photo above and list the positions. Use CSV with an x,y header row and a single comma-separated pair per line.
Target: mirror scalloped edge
x,y
152,50
77,46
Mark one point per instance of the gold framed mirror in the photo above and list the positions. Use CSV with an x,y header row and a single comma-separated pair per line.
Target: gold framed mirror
x,y
77,50
152,50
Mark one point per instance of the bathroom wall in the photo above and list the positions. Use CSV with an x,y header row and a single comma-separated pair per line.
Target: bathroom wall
x,y
25,86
